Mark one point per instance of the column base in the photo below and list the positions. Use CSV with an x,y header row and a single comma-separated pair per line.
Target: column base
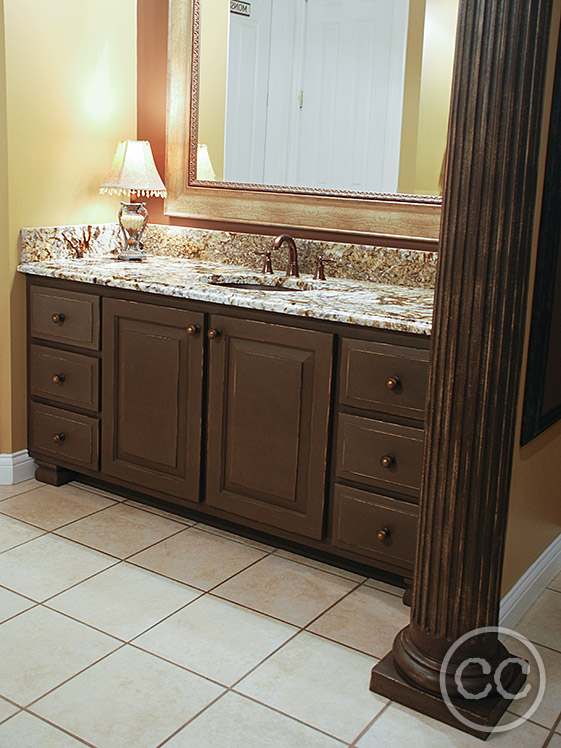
x,y
386,681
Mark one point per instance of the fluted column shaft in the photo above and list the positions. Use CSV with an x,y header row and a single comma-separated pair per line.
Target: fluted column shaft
x,y
478,333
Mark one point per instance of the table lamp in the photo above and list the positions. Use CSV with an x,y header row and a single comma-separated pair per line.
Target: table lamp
x,y
133,170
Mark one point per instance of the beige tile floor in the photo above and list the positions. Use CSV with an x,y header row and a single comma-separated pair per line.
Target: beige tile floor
x,y
122,626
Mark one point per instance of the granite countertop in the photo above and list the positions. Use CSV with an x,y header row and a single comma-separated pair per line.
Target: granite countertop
x,y
385,306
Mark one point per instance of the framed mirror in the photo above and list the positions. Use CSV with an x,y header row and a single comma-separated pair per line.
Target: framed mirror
x,y
324,118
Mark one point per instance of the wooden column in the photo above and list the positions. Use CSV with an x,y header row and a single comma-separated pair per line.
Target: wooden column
x,y
478,339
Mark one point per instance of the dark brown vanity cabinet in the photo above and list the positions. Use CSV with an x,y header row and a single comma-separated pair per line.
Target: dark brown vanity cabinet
x,y
379,449
306,430
268,416
63,384
152,396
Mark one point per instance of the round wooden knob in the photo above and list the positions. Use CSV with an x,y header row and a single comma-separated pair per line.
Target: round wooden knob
x,y
393,383
60,437
193,329
387,461
58,318
214,332
382,534
59,378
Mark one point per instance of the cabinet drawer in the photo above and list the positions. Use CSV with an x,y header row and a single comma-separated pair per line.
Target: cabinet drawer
x,y
64,317
69,378
63,435
374,525
379,454
387,378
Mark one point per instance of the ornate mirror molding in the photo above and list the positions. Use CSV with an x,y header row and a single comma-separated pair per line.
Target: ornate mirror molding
x,y
409,221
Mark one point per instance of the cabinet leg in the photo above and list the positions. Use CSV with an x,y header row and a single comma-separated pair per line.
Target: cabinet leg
x,y
52,474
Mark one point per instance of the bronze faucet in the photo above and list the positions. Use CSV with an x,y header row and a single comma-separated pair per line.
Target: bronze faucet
x,y
292,270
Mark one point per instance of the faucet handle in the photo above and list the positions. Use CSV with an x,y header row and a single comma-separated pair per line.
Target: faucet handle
x,y
267,264
320,270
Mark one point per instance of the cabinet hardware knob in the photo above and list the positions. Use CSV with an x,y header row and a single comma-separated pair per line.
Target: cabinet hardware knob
x,y
60,437
393,383
214,332
387,461
193,329
58,318
59,378
382,534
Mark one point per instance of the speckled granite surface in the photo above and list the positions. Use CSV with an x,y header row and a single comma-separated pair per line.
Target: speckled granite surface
x,y
386,306
356,262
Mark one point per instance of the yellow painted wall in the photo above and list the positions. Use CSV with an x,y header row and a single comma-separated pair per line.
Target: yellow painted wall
x,y
5,374
213,75
436,82
534,519
70,95
411,97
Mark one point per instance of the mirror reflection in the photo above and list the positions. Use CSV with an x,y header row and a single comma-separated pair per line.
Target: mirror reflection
x,y
332,95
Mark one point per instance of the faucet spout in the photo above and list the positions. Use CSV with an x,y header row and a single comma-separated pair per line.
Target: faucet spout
x,y
292,270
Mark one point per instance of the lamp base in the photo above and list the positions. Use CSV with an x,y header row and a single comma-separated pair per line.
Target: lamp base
x,y
131,255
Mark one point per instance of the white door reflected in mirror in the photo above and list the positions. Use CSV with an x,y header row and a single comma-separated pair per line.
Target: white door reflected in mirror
x,y
346,95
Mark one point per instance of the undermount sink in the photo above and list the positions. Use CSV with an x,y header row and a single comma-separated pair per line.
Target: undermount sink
x,y
253,286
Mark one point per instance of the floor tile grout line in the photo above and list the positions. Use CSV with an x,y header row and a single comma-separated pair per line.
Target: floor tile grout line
x,y
65,524
286,714
84,623
83,741
369,725
21,612
192,719
241,541
343,644
90,576
234,538
21,493
28,707
5,719
267,555
107,553
278,552
98,491
176,664
134,504
552,732
544,646
24,542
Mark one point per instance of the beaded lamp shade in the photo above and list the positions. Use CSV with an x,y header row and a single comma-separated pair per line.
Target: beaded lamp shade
x,y
133,169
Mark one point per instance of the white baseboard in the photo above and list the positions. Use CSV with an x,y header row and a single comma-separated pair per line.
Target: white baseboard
x,y
531,584
16,467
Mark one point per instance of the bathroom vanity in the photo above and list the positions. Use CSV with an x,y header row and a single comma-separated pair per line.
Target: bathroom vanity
x,y
291,411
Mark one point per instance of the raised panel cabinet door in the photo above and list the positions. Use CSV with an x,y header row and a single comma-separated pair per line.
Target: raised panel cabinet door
x,y
152,396
268,416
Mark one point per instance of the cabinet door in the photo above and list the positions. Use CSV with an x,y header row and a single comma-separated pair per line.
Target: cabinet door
x,y
152,396
269,398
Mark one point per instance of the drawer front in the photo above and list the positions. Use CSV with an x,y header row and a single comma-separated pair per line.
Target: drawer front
x,y
387,378
374,525
379,454
64,317
69,378
65,436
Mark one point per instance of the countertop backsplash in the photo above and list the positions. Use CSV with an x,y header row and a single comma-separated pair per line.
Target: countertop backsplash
x,y
400,267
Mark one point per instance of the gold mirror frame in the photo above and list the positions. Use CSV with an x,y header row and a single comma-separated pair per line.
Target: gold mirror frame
x,y
408,221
